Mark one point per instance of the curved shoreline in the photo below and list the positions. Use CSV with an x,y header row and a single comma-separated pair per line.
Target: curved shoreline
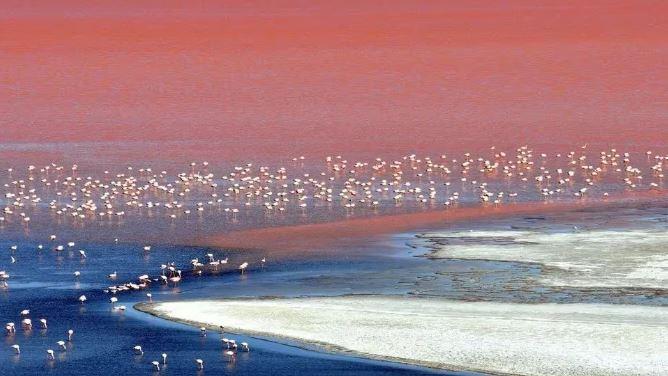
x,y
480,337
323,347
293,239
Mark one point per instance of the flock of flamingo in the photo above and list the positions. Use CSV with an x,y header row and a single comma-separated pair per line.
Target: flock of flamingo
x,y
493,178
169,274
442,180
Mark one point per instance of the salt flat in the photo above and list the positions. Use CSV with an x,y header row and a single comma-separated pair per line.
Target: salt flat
x,y
542,339
603,258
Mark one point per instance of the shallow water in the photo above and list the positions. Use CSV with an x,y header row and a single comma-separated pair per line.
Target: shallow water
x,y
42,281
606,255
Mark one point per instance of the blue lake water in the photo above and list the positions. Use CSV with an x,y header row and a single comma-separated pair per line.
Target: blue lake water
x,y
43,282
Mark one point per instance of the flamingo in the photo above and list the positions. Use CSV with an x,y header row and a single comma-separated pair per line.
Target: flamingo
x,y
231,355
61,344
243,267
4,277
70,333
177,278
17,349
200,364
43,321
156,365
82,299
138,350
245,347
164,358
50,355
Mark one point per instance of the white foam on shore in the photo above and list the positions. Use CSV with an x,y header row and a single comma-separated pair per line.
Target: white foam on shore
x,y
607,258
542,339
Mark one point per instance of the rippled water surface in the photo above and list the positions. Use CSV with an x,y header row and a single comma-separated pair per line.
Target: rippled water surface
x,y
43,282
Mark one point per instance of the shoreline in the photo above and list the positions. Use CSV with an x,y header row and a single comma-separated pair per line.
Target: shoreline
x,y
489,343
296,240
323,236
322,347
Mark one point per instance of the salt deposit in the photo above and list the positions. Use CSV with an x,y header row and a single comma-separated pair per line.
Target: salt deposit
x,y
607,258
543,339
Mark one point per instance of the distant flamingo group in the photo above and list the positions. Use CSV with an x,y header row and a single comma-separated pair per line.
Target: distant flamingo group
x,y
491,178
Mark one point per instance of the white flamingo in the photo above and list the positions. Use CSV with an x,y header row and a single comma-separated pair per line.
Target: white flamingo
x,y
200,364
27,324
4,277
